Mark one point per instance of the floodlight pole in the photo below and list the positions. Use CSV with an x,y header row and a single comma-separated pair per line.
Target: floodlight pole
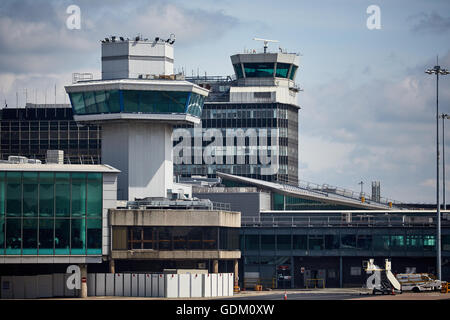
x,y
437,70
443,116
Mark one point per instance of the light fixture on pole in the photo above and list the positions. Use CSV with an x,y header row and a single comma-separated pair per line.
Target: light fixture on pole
x,y
437,70
443,116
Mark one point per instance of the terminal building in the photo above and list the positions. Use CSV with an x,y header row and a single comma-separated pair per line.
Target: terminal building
x,y
129,210
314,236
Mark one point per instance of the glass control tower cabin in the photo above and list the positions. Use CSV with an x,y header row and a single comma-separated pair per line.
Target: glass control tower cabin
x,y
137,102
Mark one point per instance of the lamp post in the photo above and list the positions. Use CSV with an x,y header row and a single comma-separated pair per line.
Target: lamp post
x,y
437,70
443,116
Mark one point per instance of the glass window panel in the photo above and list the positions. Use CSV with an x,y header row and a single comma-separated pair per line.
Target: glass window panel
x,y
364,242
77,103
113,100
164,238
331,242
414,242
258,70
94,236
300,242
78,236
89,101
149,238
210,238
316,242
62,236
397,242
14,194
180,238
94,195
62,194
194,238
292,74
282,70
147,102
2,236
429,242
2,194
252,242
131,100
13,236
284,242
195,104
348,241
381,243
78,194
238,70
445,241
100,98
30,232
46,194
267,242
46,227
30,194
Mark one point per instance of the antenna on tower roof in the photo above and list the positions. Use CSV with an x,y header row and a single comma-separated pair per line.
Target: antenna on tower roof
x,y
266,41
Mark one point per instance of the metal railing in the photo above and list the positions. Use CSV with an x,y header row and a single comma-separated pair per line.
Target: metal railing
x,y
329,189
339,221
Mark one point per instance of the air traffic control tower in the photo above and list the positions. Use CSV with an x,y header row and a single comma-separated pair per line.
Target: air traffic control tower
x,y
137,102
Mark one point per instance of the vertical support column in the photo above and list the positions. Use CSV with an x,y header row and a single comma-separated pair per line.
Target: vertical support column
x,y
236,273
216,266
112,266
340,272
83,274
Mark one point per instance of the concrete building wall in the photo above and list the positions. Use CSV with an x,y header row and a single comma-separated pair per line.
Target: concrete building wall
x,y
130,147
109,202
174,218
247,203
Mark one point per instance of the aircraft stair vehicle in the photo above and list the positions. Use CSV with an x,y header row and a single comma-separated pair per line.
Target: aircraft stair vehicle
x,y
381,279
418,282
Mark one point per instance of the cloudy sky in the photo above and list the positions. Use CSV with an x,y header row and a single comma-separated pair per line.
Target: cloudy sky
x,y
368,109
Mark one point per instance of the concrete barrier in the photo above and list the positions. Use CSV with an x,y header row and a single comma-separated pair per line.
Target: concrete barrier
x,y
196,285
171,286
109,284
184,285
119,284
206,285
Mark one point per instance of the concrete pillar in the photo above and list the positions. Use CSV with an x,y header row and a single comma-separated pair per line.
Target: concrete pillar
x,y
83,274
236,272
340,273
215,266
112,266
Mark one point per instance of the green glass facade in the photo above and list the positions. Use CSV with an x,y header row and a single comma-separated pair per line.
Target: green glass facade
x,y
136,101
50,213
258,70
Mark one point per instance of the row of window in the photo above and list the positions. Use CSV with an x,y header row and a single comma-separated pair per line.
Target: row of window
x,y
50,236
49,194
268,69
136,101
175,238
342,241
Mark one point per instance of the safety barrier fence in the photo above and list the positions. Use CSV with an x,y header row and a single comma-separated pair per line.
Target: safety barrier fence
x,y
121,284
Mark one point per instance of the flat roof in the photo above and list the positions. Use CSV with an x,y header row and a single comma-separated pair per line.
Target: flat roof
x,y
137,84
104,168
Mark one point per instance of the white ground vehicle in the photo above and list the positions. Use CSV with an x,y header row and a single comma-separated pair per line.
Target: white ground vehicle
x,y
417,282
